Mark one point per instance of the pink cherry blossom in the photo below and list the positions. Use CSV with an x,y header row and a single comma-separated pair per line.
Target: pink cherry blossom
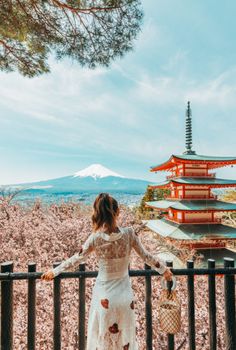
x,y
46,234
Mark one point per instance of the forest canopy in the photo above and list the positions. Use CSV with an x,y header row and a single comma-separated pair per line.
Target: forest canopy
x,y
91,32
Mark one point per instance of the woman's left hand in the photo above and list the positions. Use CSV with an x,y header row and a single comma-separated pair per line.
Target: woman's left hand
x,y
168,274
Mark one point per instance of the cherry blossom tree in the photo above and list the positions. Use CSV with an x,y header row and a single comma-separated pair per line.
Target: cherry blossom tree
x,y
45,234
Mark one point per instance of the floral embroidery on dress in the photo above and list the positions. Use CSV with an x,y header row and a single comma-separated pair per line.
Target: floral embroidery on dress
x,y
114,328
105,303
112,249
132,304
126,347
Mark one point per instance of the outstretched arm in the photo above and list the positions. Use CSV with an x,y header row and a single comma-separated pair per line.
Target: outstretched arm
x,y
148,258
72,262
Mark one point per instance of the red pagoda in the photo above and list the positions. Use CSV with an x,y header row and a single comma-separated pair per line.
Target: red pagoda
x,y
192,213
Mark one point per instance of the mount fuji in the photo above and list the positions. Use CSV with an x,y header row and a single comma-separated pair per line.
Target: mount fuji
x,y
93,179
96,171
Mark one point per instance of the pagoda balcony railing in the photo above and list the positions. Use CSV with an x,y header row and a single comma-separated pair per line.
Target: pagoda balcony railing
x,y
200,175
197,197
211,175
227,271
199,221
204,245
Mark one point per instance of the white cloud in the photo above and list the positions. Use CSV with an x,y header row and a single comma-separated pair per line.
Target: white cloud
x,y
34,97
85,112
44,117
93,116
161,90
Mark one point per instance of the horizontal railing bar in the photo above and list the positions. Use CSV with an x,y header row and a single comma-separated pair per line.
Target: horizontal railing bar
x,y
132,273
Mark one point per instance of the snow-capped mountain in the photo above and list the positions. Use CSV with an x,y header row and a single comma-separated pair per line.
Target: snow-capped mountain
x,y
93,179
96,171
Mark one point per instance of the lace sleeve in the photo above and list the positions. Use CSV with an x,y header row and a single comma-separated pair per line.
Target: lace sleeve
x,y
78,258
148,258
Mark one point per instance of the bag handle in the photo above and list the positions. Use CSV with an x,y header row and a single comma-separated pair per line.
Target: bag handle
x,y
168,286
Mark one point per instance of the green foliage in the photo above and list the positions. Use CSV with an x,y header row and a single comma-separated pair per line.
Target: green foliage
x,y
161,193
92,32
230,217
149,196
229,196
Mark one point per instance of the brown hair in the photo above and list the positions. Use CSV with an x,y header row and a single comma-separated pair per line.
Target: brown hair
x,y
105,209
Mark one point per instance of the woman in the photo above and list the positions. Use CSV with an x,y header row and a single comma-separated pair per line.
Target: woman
x,y
112,320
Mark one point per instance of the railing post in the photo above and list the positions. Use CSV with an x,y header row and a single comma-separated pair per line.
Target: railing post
x,y
148,308
7,309
57,311
31,309
82,309
212,305
229,290
170,337
191,307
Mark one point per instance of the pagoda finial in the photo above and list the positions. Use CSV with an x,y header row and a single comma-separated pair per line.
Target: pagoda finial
x,y
188,131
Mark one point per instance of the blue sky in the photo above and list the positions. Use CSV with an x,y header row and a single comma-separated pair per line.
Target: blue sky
x,y
131,115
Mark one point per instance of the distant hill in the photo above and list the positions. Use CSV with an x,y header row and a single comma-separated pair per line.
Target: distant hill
x,y
93,179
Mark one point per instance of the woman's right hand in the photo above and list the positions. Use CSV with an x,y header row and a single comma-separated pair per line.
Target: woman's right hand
x,y
48,276
168,274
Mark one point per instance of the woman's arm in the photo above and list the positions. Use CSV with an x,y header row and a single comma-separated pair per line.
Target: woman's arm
x,y
73,261
148,258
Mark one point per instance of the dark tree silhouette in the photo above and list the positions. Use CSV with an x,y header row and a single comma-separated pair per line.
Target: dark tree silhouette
x,y
92,32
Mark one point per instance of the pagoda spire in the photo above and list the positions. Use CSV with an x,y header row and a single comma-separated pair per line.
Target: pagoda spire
x,y
188,131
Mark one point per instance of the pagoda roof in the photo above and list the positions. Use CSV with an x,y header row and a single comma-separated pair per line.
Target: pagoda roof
x,y
198,205
190,232
212,161
204,181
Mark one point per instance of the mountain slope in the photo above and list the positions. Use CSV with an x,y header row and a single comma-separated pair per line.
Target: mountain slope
x,y
93,179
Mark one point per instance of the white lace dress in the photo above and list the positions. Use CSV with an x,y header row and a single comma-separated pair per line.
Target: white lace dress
x,y
112,319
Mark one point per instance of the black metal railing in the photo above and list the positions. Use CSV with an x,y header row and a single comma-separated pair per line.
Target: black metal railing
x,y
7,277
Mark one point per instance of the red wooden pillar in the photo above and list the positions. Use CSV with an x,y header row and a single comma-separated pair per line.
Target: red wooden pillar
x,y
212,216
209,192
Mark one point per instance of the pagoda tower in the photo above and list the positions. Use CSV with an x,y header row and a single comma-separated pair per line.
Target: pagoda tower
x,y
192,213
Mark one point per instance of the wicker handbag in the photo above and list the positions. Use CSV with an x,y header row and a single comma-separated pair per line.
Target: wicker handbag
x,y
169,310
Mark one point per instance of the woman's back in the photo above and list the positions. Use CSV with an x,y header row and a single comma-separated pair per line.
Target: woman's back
x,y
113,252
